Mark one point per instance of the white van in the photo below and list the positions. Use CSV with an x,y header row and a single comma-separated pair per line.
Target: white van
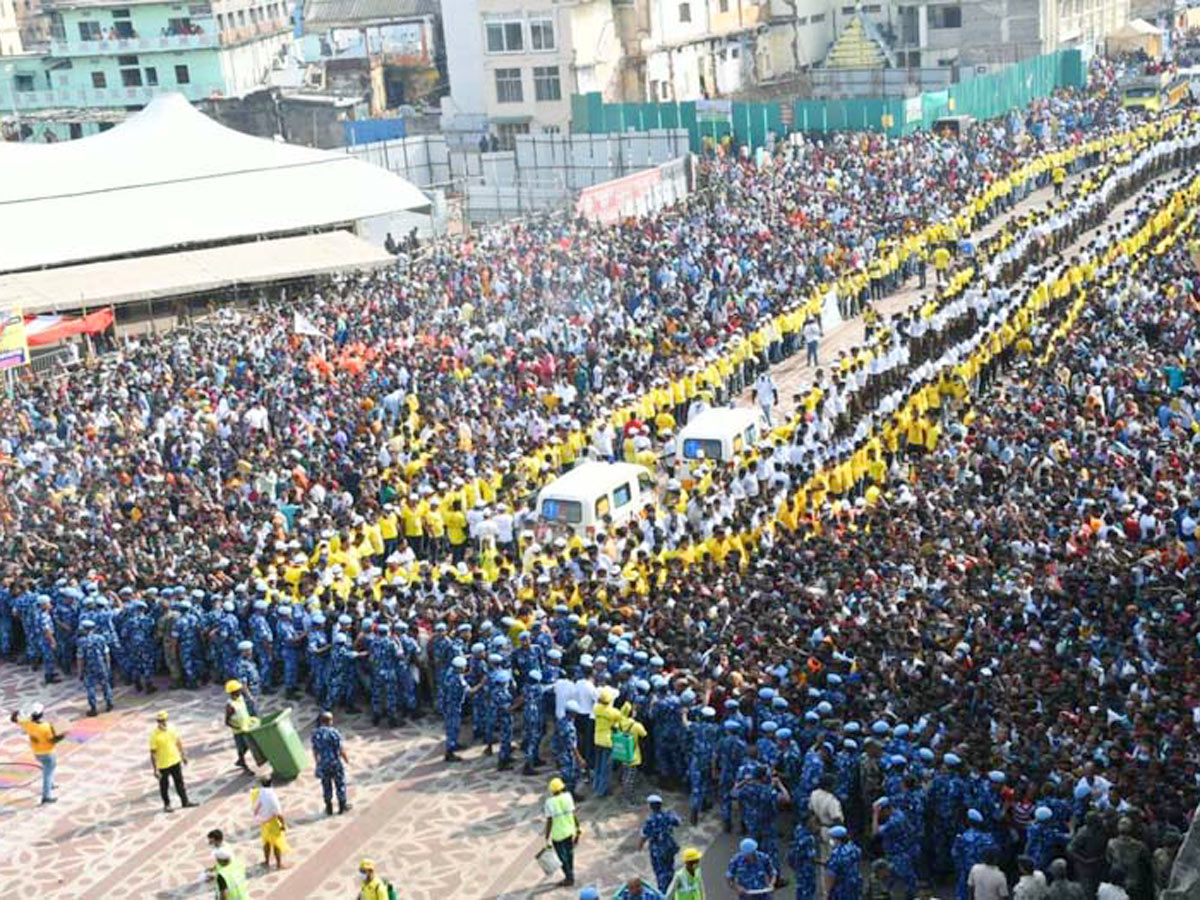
x,y
579,500
718,434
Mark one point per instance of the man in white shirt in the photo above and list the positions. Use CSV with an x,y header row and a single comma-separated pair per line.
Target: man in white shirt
x,y
586,694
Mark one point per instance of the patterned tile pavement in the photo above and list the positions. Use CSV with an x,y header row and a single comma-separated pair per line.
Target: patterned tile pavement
x,y
437,830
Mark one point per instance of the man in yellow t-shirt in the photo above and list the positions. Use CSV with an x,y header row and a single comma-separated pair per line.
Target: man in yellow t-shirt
x,y
167,758
42,738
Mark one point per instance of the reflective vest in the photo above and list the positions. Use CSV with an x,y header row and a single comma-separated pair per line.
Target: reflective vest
x,y
240,720
688,886
233,873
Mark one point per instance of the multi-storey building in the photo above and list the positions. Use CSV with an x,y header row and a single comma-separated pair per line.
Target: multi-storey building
x,y
10,28
514,64
116,56
691,49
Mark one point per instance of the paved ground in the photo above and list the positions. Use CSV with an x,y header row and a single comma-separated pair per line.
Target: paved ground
x,y
437,831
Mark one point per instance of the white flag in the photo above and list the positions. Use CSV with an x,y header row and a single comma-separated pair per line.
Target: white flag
x,y
301,325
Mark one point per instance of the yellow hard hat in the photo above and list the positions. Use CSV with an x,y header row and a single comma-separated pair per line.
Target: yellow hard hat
x,y
691,854
232,685
161,715
556,785
366,865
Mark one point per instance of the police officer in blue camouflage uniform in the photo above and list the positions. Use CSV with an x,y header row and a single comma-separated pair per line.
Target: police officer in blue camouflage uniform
x,y
385,677
760,797
229,634
802,857
343,674
95,664
262,636
533,720
331,762
844,868
969,849
477,673
246,671
703,736
564,744
6,619
46,637
946,793
318,652
895,833
27,608
731,753
659,831
186,634
289,644
452,697
500,701
1043,838
751,873
669,737
139,638
66,614
409,653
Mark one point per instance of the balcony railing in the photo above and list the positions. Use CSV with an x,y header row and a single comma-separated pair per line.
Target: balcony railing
x,y
113,96
109,46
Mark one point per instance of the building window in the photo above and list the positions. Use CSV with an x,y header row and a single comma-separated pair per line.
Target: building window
x,y
551,129
182,76
847,10
90,31
685,12
945,17
23,83
724,4
508,132
541,34
508,86
127,61
817,19
802,20
505,37
546,84
131,77
120,14
872,8
98,80
151,76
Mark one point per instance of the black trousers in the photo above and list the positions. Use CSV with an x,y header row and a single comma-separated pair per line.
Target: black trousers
x,y
172,773
565,851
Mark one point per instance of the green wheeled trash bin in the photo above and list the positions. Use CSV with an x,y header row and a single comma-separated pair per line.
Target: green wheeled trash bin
x,y
276,740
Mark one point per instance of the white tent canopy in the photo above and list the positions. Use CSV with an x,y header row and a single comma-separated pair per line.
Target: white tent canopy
x,y
119,281
170,176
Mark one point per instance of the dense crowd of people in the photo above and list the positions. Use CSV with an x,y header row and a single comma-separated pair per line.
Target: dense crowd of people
x,y
945,611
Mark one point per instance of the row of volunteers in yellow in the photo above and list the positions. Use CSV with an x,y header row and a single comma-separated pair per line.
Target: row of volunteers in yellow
x,y
435,517
717,368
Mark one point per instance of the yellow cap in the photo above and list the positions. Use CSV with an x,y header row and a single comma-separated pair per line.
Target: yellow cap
x,y
366,865
161,715
691,854
556,785
232,685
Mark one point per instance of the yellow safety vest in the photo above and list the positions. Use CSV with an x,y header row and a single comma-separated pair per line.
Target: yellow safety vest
x,y
233,873
688,886
241,715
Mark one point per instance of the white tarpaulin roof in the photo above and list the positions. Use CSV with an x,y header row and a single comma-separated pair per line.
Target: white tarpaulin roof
x,y
170,176
188,272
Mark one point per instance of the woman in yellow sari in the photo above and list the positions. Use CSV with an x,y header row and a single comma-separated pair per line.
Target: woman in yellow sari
x,y
268,813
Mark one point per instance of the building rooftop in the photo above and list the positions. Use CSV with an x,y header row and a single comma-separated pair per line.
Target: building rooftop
x,y
321,14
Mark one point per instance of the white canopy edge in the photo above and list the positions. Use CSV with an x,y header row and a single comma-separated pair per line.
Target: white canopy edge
x,y
96,285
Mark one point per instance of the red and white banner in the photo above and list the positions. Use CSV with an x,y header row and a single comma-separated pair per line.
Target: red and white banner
x,y
636,194
40,330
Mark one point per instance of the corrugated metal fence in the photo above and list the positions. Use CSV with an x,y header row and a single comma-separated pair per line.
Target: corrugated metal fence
x,y
984,97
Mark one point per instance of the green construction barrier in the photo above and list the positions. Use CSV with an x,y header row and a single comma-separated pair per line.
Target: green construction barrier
x,y
752,123
276,741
